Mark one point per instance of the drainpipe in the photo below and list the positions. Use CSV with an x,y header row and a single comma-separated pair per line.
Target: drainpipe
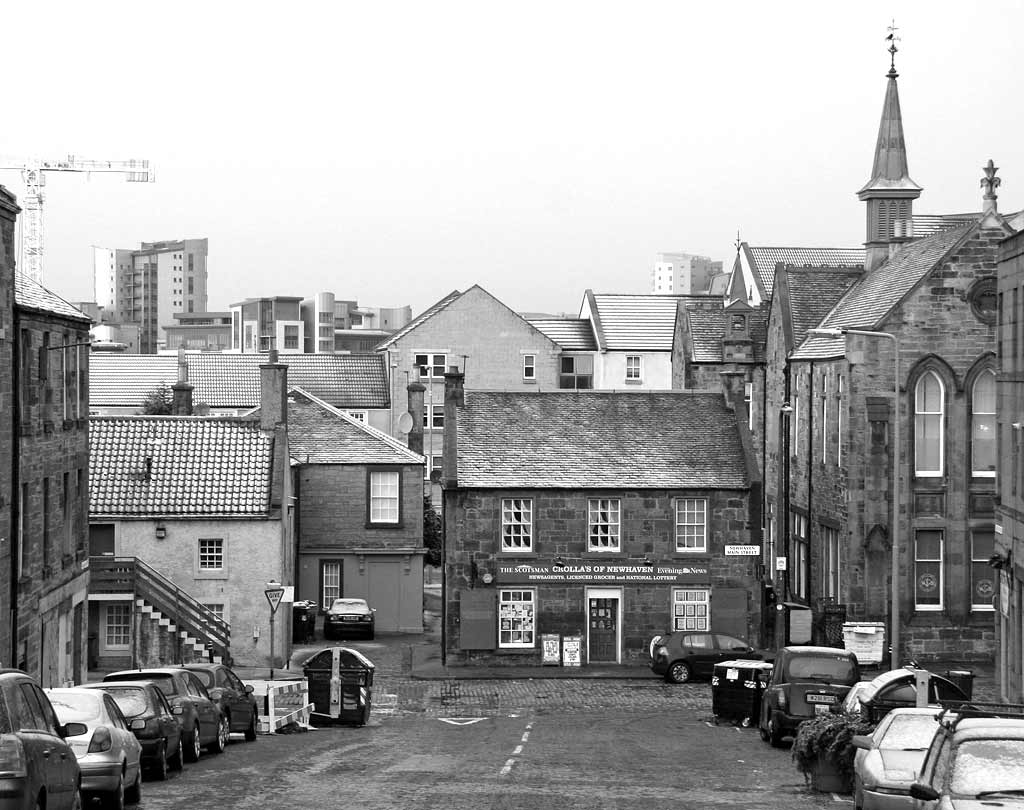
x,y
17,536
810,477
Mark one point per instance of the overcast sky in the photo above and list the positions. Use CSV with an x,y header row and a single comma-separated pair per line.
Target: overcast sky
x,y
393,152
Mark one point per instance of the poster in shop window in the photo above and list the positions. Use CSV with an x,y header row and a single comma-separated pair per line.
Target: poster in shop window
x,y
551,646
571,651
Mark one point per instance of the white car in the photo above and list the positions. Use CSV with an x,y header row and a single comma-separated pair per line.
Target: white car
x,y
889,759
108,754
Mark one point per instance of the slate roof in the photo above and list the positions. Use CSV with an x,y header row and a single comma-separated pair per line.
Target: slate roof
x,y
591,439
30,294
875,294
706,320
572,334
636,322
233,380
927,224
764,259
428,313
812,294
200,466
320,434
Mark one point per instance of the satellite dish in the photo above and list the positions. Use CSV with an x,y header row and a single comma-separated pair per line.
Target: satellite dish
x,y
405,422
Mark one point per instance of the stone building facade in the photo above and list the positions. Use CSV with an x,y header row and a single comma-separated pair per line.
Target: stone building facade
x,y
8,215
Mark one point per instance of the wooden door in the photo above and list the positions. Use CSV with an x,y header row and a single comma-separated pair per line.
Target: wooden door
x,y
604,630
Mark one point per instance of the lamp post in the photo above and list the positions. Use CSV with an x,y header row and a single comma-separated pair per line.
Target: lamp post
x,y
894,633
273,592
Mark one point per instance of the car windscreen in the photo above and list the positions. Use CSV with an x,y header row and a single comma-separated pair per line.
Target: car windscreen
x,y
164,680
205,676
348,605
982,766
827,669
131,700
76,708
909,732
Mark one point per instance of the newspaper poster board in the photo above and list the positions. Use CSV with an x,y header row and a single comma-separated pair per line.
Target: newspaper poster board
x,y
551,649
571,649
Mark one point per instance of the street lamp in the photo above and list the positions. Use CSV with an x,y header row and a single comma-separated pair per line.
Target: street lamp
x,y
895,607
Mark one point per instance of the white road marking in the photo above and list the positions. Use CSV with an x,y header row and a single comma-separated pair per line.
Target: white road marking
x,y
507,767
461,721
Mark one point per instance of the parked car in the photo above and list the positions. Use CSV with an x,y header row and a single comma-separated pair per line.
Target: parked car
x,y
806,681
348,616
235,698
686,654
851,703
888,760
897,688
37,766
201,720
109,756
151,720
974,761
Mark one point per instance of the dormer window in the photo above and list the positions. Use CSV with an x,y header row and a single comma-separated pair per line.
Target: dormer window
x,y
739,323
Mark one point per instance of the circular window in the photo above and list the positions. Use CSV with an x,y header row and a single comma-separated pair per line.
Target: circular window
x,y
983,299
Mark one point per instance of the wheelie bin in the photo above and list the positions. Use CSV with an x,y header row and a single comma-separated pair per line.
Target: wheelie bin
x,y
340,683
736,689
303,622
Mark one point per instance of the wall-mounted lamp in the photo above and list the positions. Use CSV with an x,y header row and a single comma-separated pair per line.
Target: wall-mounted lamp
x,y
648,561
161,531
786,407
999,561
559,562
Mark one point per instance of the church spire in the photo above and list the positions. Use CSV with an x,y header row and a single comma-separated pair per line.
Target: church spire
x,y
890,192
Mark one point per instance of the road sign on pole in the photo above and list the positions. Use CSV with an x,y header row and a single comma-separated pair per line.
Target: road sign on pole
x,y
274,597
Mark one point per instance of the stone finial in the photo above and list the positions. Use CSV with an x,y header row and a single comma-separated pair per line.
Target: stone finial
x,y
990,183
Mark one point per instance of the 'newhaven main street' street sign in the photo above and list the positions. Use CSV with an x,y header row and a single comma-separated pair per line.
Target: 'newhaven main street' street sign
x,y
590,571
742,551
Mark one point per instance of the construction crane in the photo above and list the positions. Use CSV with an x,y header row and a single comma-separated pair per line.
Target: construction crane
x,y
33,173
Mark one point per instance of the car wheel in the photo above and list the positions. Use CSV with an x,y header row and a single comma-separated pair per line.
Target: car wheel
x,y
133,795
114,800
160,763
193,746
774,734
250,732
178,760
678,672
223,733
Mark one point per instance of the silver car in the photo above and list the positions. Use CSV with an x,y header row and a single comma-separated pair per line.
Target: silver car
x,y
108,753
889,759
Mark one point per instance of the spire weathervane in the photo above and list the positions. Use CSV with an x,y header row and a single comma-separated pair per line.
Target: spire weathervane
x,y
892,39
738,243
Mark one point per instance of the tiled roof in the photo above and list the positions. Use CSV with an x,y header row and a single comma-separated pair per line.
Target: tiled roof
x,y
200,466
637,322
764,259
876,293
706,319
591,439
320,434
30,294
572,334
430,312
927,224
813,292
233,380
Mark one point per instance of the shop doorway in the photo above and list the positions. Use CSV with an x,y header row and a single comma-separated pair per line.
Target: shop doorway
x,y
603,625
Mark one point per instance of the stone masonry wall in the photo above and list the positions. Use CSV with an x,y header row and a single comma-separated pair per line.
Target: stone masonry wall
x,y
8,213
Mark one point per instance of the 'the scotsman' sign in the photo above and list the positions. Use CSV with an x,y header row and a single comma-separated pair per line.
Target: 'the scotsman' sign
x,y
588,571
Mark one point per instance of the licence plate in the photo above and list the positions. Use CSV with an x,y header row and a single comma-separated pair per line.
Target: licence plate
x,y
821,698
350,618
821,708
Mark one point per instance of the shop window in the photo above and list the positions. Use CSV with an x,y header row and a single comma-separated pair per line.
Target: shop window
x,y
603,522
982,574
691,524
928,574
516,524
516,618
690,609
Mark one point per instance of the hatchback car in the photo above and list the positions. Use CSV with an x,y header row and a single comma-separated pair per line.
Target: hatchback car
x,y
201,721
683,655
348,616
888,759
109,755
806,681
973,762
235,698
37,765
151,720
897,689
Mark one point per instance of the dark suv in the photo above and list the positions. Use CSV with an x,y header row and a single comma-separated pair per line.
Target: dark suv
x,y
806,681
686,654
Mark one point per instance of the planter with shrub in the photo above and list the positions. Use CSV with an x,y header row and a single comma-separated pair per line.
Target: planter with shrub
x,y
823,750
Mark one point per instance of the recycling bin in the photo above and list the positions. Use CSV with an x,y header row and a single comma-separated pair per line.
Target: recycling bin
x,y
340,682
736,689
963,678
303,622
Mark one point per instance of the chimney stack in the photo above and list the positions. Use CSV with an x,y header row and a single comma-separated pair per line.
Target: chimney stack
x,y
181,399
273,392
416,391
454,399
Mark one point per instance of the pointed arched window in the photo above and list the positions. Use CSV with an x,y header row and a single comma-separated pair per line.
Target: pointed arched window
x,y
929,421
983,425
